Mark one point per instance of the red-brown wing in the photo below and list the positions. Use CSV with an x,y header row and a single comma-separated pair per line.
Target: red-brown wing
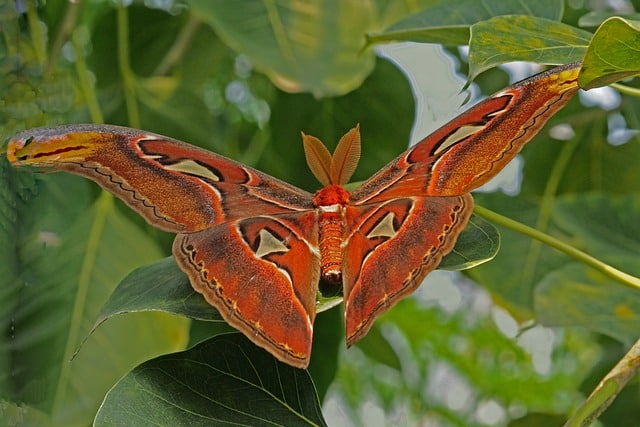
x,y
175,186
262,275
472,148
406,217
391,247
249,241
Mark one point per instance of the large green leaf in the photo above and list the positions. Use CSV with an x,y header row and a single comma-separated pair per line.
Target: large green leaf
x,y
160,286
614,53
578,296
606,227
519,265
315,48
225,380
590,162
15,191
524,38
69,271
448,23
478,243
602,223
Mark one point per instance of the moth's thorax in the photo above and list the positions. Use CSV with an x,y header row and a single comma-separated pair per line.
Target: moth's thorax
x,y
331,202
331,195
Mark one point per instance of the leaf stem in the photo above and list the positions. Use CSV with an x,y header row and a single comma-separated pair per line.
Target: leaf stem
x,y
104,205
179,47
610,386
87,87
65,29
279,31
619,276
550,190
627,90
128,78
35,30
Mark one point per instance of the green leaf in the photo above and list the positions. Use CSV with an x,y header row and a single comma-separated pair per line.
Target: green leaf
x,y
16,189
523,38
577,296
603,224
326,349
597,17
613,54
478,243
302,49
225,380
609,168
14,414
378,348
73,258
160,286
448,23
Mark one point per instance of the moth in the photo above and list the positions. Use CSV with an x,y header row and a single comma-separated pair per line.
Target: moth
x,y
256,247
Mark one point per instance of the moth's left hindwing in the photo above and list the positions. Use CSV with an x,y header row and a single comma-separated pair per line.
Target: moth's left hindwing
x,y
261,273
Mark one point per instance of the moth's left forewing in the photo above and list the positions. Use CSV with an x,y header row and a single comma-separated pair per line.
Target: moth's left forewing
x,y
262,275
175,186
391,247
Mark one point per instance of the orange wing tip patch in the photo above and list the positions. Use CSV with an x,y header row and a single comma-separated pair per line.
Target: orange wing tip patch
x,y
11,150
28,148
16,147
